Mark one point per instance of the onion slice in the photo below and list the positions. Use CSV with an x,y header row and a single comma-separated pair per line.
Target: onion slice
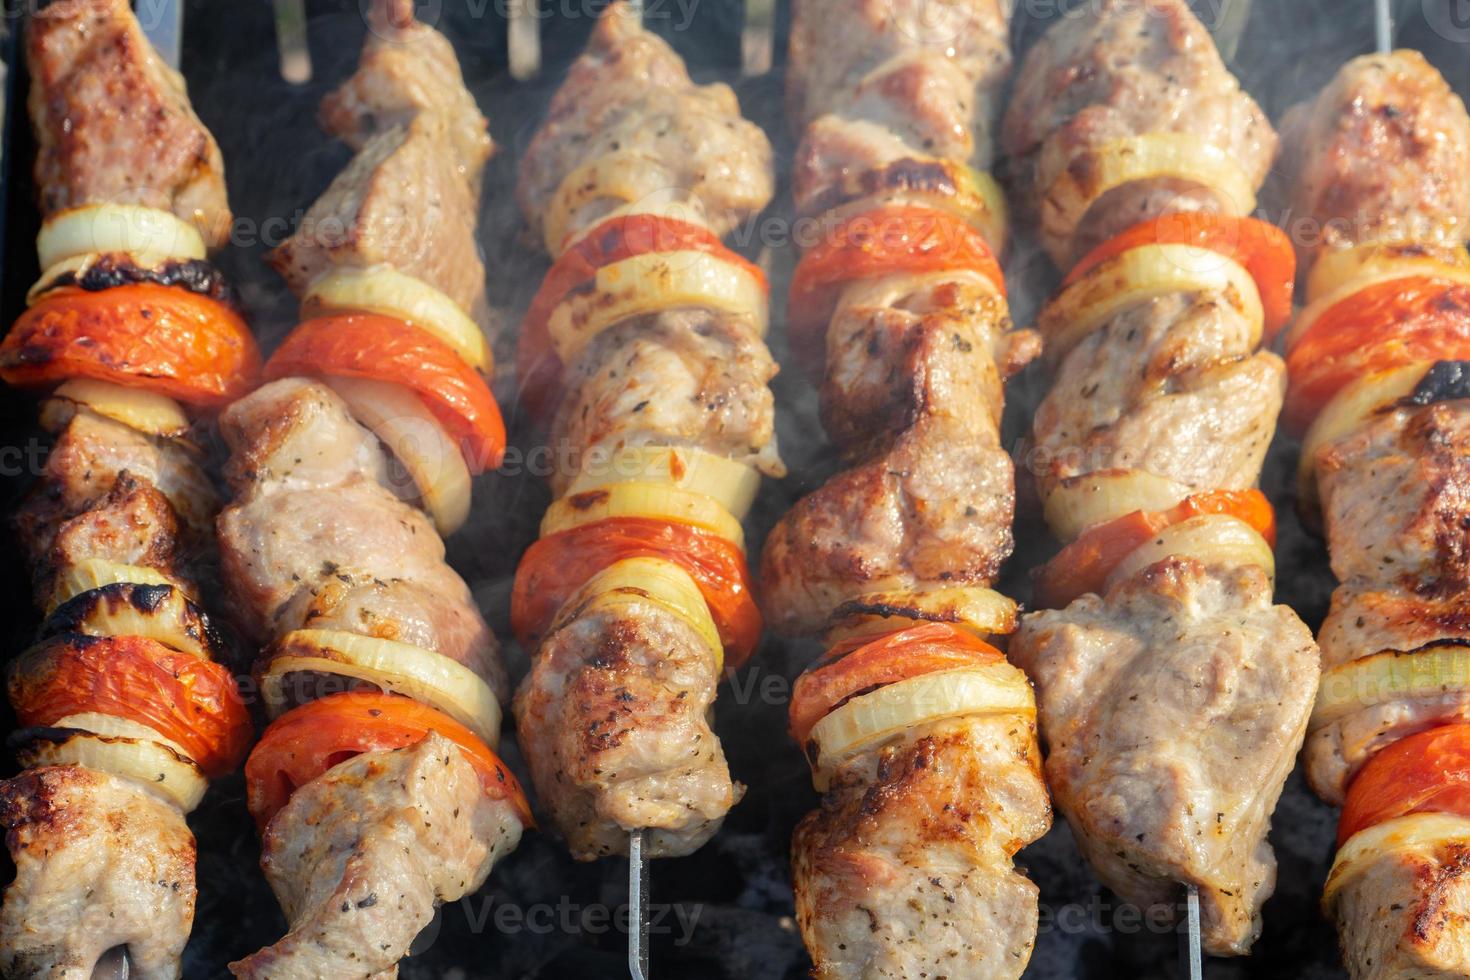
x,y
1307,319
1214,539
117,228
94,573
660,501
156,612
1415,832
982,612
1390,675
731,483
1340,267
149,762
143,411
1081,502
609,179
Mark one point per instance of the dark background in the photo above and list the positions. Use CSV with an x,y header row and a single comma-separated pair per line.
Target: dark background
x,y
542,915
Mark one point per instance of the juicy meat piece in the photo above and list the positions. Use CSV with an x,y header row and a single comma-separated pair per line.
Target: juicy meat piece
x,y
1383,154
132,525
99,862
1119,69
1394,500
906,869
684,378
1169,386
614,721
313,539
1173,709
362,855
113,123
1366,618
913,389
401,202
407,68
629,93
1405,916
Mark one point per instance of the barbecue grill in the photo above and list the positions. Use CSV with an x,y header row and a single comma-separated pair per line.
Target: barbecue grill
x,y
726,911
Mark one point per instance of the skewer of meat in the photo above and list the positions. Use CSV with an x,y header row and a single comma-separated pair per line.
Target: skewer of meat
x,y
1173,695
126,707
643,352
921,737
1379,364
376,788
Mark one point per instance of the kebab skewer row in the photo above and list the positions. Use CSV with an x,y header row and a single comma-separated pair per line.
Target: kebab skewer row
x,y
1173,696
1378,370
376,787
921,736
126,706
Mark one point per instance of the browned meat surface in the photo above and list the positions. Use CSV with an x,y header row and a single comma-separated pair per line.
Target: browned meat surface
x,y
1367,617
361,856
1407,916
906,869
132,525
1169,386
1117,69
1382,154
113,122
913,389
312,539
685,378
878,82
1173,709
614,721
629,93
407,68
99,862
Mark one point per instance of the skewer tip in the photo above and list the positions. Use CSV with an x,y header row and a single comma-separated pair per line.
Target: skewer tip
x,y
1190,953
637,906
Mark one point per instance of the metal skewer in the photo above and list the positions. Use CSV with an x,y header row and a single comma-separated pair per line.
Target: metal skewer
x,y
1383,25
1191,957
637,906
291,41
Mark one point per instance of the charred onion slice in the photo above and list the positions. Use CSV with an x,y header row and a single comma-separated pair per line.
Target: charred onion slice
x,y
733,484
1419,832
1140,275
1427,772
391,666
117,228
167,774
1213,539
157,612
384,290
418,441
94,573
558,565
304,744
659,501
651,283
606,181
981,613
1343,267
865,722
1149,156
1081,502
166,339
144,411
1390,675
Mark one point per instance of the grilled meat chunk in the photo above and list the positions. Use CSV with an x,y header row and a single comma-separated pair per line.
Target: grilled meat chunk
x,y
113,123
913,389
1169,386
629,93
691,378
1381,155
132,525
906,869
99,862
361,856
1173,709
1121,69
614,721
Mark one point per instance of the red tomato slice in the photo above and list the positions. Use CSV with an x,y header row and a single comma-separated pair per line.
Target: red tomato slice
x,y
849,670
556,566
1084,565
307,741
365,345
1420,318
163,338
1428,772
538,367
895,238
1260,247
186,699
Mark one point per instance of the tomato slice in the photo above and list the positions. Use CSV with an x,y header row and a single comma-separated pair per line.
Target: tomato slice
x,y
895,238
1387,325
365,345
858,667
556,566
167,339
1427,772
1260,247
307,741
1084,565
190,701
538,367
